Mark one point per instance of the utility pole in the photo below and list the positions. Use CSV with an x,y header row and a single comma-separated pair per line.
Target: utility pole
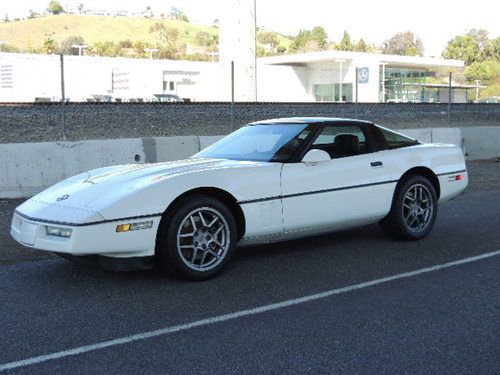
x,y
232,95
63,99
255,28
449,98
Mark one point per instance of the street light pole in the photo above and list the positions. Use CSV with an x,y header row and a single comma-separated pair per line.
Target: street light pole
x,y
478,81
212,55
150,51
80,48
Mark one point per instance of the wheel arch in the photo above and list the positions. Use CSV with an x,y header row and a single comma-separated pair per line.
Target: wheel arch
x,y
424,172
225,197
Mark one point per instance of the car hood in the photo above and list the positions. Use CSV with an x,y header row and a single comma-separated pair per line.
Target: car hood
x,y
83,189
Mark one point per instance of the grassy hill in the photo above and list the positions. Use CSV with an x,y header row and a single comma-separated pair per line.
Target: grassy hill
x,y
29,35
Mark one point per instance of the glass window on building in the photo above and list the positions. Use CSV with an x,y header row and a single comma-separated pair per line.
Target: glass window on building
x,y
404,85
332,92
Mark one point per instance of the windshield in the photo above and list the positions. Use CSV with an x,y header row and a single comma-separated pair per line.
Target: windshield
x,y
259,143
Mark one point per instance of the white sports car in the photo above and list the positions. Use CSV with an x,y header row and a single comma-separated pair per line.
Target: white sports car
x,y
268,181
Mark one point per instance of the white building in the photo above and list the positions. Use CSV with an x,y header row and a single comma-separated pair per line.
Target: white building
x,y
320,76
331,76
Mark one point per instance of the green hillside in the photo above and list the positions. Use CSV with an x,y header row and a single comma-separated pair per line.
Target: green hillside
x,y
30,35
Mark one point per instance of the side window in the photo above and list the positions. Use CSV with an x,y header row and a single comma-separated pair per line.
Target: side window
x,y
396,140
341,141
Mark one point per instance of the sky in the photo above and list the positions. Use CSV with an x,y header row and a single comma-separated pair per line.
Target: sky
x,y
434,21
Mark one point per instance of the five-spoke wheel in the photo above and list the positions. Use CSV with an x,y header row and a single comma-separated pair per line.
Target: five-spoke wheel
x,y
203,239
418,208
413,210
196,238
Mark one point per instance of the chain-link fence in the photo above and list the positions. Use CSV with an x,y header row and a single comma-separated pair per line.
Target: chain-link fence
x,y
47,98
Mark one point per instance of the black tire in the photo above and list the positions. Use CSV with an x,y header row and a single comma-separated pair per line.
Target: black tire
x,y
172,249
419,220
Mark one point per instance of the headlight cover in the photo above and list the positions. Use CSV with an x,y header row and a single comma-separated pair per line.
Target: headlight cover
x,y
58,231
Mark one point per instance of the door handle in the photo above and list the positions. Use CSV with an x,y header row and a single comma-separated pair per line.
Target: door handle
x,y
376,164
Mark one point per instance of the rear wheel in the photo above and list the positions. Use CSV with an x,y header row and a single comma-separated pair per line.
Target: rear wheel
x,y
197,240
413,211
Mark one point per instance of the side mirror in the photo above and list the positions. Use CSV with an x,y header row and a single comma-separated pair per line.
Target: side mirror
x,y
315,156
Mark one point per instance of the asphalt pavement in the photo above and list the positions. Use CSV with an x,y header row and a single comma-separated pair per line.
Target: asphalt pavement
x,y
375,317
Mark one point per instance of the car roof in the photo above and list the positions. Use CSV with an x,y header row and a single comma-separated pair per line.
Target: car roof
x,y
310,120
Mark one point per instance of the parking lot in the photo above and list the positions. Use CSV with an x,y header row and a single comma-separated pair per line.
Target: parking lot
x,y
348,302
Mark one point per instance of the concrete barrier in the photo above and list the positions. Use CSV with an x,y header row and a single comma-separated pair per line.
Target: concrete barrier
x,y
422,135
482,142
206,141
175,148
28,168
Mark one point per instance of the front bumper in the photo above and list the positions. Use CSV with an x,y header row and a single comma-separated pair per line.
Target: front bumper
x,y
93,239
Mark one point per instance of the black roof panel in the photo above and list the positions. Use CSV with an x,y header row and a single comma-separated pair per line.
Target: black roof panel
x,y
310,120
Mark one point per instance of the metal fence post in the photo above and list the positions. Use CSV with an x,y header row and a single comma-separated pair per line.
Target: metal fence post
x,y
356,100
232,95
63,99
449,99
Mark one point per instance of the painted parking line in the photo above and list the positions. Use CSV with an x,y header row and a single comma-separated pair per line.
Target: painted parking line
x,y
238,314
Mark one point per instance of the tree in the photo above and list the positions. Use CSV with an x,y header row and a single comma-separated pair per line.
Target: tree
x,y
480,35
8,48
491,50
164,35
268,37
109,49
170,35
66,47
55,7
49,45
139,48
345,42
361,46
309,40
404,43
462,47
281,49
32,14
167,52
80,8
178,14
148,13
491,90
485,71
202,38
319,35
125,44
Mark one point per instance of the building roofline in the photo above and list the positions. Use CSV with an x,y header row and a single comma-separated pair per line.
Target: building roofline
x,y
329,56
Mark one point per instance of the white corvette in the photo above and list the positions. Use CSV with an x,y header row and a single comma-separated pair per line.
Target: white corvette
x,y
268,181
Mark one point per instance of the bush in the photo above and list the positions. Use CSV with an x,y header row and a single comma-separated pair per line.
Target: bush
x,y
67,48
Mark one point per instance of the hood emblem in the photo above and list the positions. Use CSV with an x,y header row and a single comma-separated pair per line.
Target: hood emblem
x,y
63,198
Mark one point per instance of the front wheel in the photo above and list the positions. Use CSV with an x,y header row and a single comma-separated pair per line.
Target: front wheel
x,y
197,240
413,211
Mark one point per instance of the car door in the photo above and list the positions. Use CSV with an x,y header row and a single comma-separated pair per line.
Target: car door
x,y
351,189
